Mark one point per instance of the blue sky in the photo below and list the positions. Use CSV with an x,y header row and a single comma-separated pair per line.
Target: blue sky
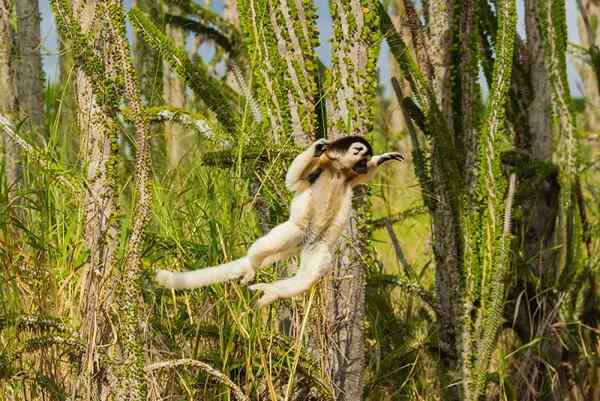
x,y
50,45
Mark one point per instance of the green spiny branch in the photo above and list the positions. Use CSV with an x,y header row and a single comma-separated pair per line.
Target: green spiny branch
x,y
132,385
212,92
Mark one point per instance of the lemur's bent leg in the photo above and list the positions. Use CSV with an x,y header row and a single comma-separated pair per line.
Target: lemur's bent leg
x,y
278,257
316,261
285,237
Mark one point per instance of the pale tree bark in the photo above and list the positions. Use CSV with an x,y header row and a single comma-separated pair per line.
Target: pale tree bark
x,y
30,83
445,227
11,154
98,153
540,129
394,119
230,12
589,34
538,225
231,15
439,45
176,139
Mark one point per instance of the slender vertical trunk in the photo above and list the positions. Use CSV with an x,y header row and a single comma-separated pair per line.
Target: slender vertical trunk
x,y
446,234
537,227
30,83
354,81
98,152
10,153
539,144
67,81
174,95
589,34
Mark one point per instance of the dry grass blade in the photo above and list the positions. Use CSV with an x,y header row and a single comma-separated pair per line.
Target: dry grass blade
x,y
219,376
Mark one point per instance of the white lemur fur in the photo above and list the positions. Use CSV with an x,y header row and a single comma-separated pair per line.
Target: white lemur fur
x,y
321,178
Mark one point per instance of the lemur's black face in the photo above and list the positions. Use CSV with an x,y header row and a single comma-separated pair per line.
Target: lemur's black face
x,y
351,153
358,155
360,167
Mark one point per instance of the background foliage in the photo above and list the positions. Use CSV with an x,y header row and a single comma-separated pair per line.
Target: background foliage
x,y
469,272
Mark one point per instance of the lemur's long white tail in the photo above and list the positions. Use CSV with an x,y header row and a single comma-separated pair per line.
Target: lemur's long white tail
x,y
203,277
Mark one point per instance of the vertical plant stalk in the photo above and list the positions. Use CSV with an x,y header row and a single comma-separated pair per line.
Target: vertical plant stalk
x,y
440,170
30,83
552,22
466,90
539,142
486,259
589,33
98,97
9,150
174,95
132,384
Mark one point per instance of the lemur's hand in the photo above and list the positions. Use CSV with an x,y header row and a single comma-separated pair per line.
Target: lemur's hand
x,y
320,146
390,156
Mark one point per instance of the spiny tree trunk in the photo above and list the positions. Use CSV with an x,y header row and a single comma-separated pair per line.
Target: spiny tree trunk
x,y
98,138
176,138
132,385
354,86
552,233
30,83
589,34
446,237
10,153
539,142
98,152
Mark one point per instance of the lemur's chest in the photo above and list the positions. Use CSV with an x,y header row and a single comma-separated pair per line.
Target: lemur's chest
x,y
330,203
325,205
328,193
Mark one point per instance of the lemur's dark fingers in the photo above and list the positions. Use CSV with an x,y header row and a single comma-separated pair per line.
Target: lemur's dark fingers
x,y
390,156
397,156
320,146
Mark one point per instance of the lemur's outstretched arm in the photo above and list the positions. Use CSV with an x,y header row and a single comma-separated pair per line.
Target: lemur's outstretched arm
x,y
296,178
372,165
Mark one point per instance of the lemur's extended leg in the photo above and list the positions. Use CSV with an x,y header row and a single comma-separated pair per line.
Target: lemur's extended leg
x,y
280,243
372,165
315,261
217,274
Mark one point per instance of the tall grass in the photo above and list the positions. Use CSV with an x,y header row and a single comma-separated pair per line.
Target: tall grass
x,y
204,215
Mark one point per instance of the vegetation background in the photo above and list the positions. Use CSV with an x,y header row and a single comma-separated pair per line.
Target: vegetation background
x,y
470,272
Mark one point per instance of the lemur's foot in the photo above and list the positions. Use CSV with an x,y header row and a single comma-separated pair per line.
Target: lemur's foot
x,y
248,277
165,278
269,293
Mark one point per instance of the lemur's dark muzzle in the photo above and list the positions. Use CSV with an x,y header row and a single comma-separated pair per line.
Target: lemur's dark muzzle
x,y
360,167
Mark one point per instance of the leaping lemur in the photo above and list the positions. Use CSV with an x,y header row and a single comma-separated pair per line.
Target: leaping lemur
x,y
322,179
